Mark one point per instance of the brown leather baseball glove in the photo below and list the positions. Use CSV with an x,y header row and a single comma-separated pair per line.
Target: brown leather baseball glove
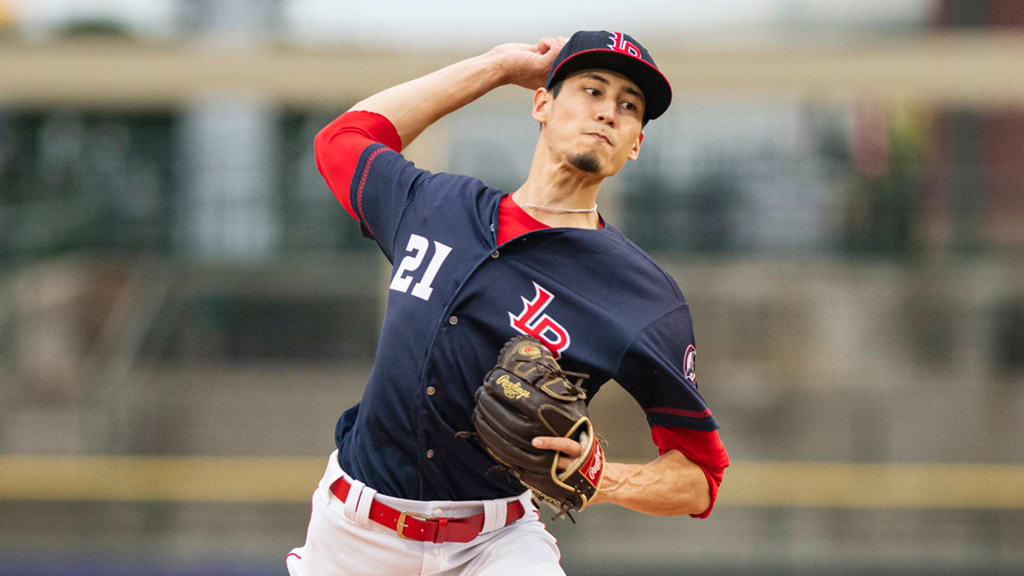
x,y
527,395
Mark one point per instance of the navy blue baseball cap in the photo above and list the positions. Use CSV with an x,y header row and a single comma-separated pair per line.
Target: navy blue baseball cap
x,y
620,53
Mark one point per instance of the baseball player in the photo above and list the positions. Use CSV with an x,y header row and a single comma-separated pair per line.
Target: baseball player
x,y
473,267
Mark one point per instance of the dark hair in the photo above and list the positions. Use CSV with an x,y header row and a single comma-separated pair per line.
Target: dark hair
x,y
556,88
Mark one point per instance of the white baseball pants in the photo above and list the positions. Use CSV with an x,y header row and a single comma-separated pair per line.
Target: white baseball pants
x,y
341,540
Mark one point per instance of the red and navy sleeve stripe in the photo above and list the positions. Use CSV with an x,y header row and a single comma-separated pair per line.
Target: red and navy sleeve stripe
x,y
339,146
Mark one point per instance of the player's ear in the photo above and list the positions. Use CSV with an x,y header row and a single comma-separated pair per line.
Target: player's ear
x,y
541,105
634,153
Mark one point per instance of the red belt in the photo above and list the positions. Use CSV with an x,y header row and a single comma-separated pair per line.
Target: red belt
x,y
423,528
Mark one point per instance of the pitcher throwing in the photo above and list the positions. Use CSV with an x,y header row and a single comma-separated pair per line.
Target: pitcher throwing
x,y
407,492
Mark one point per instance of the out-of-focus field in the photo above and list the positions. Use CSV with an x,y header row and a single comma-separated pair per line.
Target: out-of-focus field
x,y
185,310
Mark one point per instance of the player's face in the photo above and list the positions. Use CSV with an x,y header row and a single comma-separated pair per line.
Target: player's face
x,y
596,121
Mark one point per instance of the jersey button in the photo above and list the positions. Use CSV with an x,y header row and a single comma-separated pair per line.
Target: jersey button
x,y
453,320
430,453
431,390
495,254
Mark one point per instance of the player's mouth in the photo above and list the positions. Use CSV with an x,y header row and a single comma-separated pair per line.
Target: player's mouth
x,y
600,137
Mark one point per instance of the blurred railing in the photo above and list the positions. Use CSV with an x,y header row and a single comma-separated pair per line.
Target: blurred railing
x,y
968,68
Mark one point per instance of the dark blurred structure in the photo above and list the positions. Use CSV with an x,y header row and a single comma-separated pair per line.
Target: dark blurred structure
x,y
979,14
976,182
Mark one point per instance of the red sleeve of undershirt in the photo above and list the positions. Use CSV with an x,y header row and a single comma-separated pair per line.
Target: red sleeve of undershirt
x,y
705,449
338,147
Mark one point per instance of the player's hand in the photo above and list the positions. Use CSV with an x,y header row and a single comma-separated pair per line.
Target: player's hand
x,y
567,446
527,65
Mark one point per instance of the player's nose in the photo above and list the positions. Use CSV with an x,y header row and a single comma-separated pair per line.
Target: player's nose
x,y
604,111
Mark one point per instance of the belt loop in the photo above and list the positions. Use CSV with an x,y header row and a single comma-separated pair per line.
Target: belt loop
x,y
442,530
352,500
526,499
494,515
362,515
332,474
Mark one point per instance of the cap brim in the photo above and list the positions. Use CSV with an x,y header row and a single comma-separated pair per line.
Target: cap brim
x,y
657,91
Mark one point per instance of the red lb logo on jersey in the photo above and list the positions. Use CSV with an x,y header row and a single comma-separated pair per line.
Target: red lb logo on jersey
x,y
690,366
620,44
532,321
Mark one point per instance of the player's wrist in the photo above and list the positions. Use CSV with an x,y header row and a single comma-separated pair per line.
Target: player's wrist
x,y
499,65
521,64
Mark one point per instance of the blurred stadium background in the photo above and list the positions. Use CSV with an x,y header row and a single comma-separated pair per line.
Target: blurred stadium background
x,y
185,309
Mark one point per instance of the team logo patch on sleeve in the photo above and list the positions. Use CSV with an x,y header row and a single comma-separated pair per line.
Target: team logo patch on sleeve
x,y
690,366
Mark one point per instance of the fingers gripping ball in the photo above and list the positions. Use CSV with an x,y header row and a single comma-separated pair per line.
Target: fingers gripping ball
x,y
526,395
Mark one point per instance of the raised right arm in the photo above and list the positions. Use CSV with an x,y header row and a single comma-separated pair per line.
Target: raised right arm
x,y
394,117
414,105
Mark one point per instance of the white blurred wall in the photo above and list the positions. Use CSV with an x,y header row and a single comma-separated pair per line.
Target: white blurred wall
x,y
444,24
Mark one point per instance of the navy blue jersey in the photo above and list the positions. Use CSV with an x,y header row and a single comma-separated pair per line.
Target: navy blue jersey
x,y
601,304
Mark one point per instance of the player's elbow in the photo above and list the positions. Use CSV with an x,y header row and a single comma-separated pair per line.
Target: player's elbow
x,y
690,490
683,499
689,501
327,139
700,502
320,142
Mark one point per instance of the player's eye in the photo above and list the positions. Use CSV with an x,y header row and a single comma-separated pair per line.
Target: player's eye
x,y
592,91
631,106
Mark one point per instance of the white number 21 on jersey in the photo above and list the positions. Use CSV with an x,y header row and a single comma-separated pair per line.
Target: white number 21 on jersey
x,y
416,252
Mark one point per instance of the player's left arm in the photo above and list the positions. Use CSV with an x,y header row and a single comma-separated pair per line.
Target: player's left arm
x,y
669,485
659,371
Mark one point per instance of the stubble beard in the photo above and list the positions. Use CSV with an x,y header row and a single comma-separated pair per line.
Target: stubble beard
x,y
586,162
